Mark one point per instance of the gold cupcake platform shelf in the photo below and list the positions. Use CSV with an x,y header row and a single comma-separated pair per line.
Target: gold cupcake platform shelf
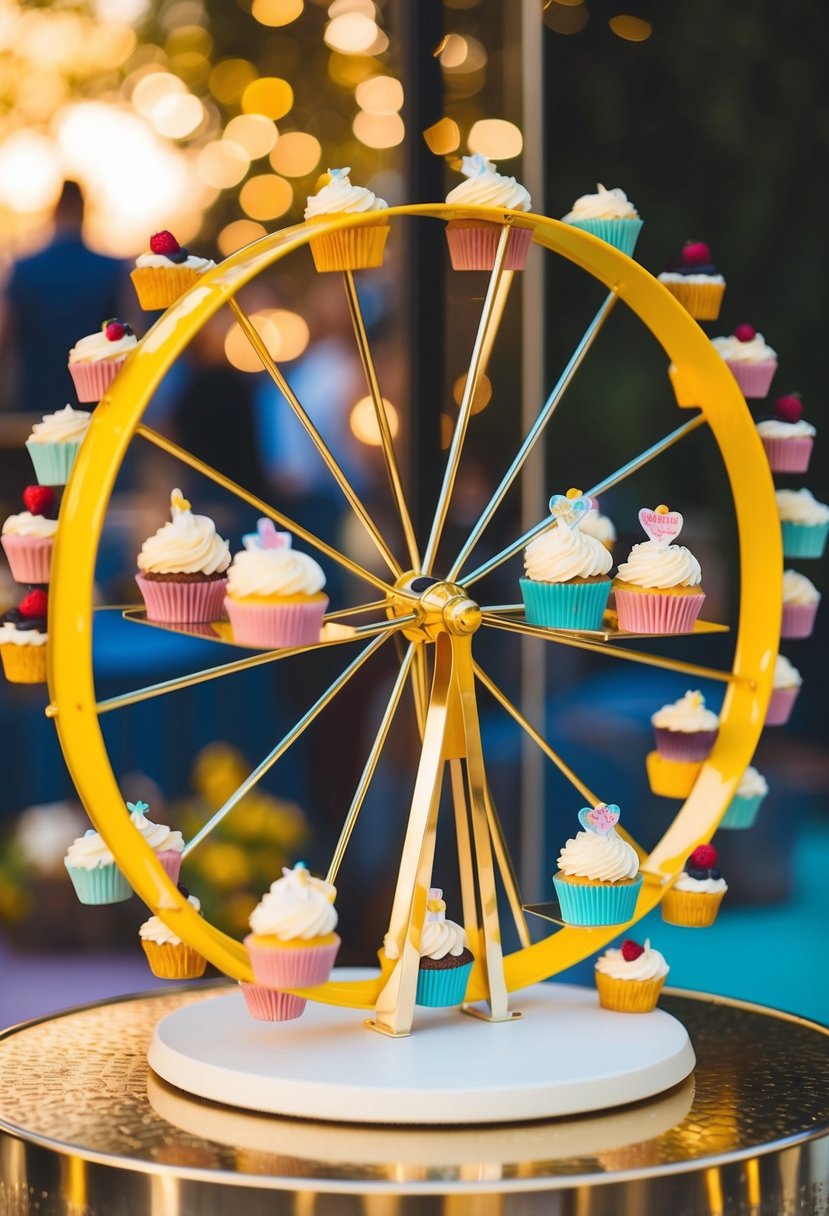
x,y
331,633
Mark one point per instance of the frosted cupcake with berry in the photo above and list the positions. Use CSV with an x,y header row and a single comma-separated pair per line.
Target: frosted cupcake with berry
x,y
96,360
744,806
659,588
787,684
787,438
167,844
55,442
749,358
686,730
566,584
598,877
274,594
182,568
169,957
600,527
608,214
804,523
695,281
357,248
29,536
694,899
23,640
474,243
94,874
445,958
630,979
801,600
166,271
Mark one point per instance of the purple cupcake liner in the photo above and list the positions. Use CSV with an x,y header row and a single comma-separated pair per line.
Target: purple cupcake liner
x,y
275,625
92,380
789,455
651,612
798,620
754,379
30,557
175,603
291,966
475,248
170,863
781,706
267,1005
687,746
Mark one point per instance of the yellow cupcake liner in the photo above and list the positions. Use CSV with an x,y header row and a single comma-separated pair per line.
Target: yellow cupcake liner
x,y
350,248
628,996
24,664
693,909
702,300
171,962
160,286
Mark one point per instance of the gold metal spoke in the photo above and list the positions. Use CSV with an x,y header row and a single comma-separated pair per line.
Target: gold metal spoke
x,y
255,338
355,610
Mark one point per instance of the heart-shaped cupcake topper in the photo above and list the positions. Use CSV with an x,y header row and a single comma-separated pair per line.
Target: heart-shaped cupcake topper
x,y
435,904
662,526
600,819
569,509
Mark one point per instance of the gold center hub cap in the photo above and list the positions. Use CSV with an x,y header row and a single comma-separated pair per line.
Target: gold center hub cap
x,y
442,608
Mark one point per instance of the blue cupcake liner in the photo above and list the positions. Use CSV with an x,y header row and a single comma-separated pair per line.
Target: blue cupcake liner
x,y
53,461
622,234
443,987
804,540
741,812
565,605
102,885
605,905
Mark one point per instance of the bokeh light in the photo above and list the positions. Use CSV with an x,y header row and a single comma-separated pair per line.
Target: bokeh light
x,y
563,17
238,234
379,130
337,7
270,95
30,172
355,33
350,70
152,89
266,197
380,95
296,154
364,425
443,137
276,12
632,29
253,132
483,392
222,164
293,331
230,78
462,54
179,116
284,333
496,139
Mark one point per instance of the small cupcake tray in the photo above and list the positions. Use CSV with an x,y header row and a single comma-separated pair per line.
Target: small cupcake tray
x,y
609,631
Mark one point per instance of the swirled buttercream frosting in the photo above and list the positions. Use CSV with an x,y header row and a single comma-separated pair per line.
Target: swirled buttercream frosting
x,y
786,674
157,835
605,204
273,571
88,852
297,907
734,351
26,524
339,196
95,347
154,929
606,858
599,526
797,588
800,507
486,187
700,886
649,965
688,715
752,784
64,426
776,428
651,564
188,544
562,553
159,261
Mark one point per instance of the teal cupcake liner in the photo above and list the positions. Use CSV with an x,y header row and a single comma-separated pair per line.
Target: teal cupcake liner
x,y
742,812
103,885
53,461
804,540
588,905
443,987
565,605
622,234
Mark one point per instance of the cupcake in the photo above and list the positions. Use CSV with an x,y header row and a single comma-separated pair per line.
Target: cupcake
x,y
356,248
804,523
95,876
166,272
566,585
598,877
169,957
787,438
695,282
743,807
270,1005
685,730
658,589
445,958
749,359
164,842
787,682
181,568
473,243
23,640
274,594
801,600
630,979
55,442
96,360
29,536
293,943
608,214
599,526
695,897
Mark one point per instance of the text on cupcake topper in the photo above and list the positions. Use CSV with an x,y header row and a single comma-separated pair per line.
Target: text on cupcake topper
x,y
661,525
600,819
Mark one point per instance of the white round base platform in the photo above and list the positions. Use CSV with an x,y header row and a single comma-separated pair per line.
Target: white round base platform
x,y
565,1056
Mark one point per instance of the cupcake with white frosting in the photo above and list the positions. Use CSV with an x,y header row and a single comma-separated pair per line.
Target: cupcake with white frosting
x,y
169,957
630,979
274,594
166,271
600,527
788,438
609,215
694,899
743,807
95,876
55,442
804,523
445,958
598,877
749,358
685,730
28,537
786,689
24,639
95,361
473,243
357,248
166,843
801,600
659,588
566,584
181,568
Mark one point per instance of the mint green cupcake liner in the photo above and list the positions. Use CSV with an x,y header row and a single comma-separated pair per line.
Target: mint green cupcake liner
x,y
588,905
53,461
103,885
622,234
565,605
804,540
444,987
742,812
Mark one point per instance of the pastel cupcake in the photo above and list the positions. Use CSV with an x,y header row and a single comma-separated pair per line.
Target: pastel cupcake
x,y
804,523
94,874
566,584
55,442
474,243
293,943
96,360
695,281
169,957
274,594
787,438
23,639
166,272
445,958
167,844
787,683
630,979
659,588
694,899
686,730
598,877
751,361
358,248
28,537
744,806
801,600
600,527
608,214
182,568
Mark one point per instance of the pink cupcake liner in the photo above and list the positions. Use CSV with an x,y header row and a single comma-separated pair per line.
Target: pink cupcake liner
x,y
266,1005
291,967
754,379
789,455
798,620
170,863
688,746
650,612
275,625
30,557
182,603
92,380
781,706
475,248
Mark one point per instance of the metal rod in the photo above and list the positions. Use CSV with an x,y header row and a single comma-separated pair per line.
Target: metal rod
x,y
336,471
356,610
392,467
281,747
534,434
625,471
465,410
370,765
506,868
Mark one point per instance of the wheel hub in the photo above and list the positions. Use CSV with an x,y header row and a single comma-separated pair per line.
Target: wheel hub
x,y
442,607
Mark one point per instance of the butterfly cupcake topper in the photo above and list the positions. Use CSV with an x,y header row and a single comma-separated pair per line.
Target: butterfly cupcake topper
x,y
138,808
661,525
569,509
266,537
600,819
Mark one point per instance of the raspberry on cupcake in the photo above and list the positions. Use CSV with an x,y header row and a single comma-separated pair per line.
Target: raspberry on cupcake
x,y
659,588
686,730
749,358
23,639
28,537
695,281
96,360
787,438
166,272
630,979
357,248
473,243
182,568
609,215
695,897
